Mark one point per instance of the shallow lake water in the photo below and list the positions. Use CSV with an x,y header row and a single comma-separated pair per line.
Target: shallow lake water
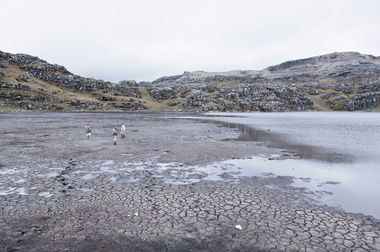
x,y
337,154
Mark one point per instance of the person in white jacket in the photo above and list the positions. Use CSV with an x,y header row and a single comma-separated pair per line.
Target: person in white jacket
x,y
88,130
122,134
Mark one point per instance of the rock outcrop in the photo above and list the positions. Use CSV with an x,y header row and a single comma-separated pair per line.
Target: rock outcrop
x,y
338,81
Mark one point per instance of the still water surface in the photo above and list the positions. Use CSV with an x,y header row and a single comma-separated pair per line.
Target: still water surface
x,y
337,153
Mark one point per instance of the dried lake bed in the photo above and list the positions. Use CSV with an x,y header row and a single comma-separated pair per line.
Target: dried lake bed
x,y
190,182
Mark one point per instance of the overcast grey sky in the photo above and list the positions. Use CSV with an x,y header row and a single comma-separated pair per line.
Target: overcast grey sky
x,y
141,40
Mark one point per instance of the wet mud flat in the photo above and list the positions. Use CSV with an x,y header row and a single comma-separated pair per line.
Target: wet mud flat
x,y
62,192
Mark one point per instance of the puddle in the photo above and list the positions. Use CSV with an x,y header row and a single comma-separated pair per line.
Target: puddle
x,y
86,190
45,194
19,191
109,162
9,171
88,176
51,175
107,169
6,192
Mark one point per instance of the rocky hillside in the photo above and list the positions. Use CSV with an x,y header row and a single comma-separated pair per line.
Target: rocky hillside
x,y
337,81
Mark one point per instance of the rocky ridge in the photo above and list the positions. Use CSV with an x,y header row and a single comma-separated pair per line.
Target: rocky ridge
x,y
27,82
338,81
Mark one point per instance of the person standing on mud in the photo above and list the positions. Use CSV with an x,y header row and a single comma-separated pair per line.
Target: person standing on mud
x,y
114,133
122,134
88,130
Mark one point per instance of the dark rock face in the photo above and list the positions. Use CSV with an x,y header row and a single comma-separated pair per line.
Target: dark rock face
x,y
196,98
242,97
337,81
163,93
362,101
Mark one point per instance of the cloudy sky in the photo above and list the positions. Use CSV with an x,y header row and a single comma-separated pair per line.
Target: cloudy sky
x,y
143,40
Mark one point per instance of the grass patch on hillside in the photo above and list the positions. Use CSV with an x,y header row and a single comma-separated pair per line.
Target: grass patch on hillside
x,y
338,107
319,104
328,80
224,84
14,74
4,108
152,104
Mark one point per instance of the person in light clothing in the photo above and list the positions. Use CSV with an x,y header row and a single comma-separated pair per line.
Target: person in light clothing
x,y
122,134
88,130
114,133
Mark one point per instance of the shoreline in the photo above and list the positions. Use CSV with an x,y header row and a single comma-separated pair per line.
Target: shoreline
x,y
88,195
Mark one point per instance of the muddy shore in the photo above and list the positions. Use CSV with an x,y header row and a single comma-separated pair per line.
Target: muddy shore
x,y
60,191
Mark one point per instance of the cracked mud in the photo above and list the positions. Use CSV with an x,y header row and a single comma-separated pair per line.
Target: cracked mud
x,y
62,192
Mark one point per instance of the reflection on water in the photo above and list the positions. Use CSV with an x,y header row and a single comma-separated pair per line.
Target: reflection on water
x,y
271,140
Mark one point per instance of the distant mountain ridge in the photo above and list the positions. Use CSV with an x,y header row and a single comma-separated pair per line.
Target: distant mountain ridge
x,y
313,65
336,81
342,58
